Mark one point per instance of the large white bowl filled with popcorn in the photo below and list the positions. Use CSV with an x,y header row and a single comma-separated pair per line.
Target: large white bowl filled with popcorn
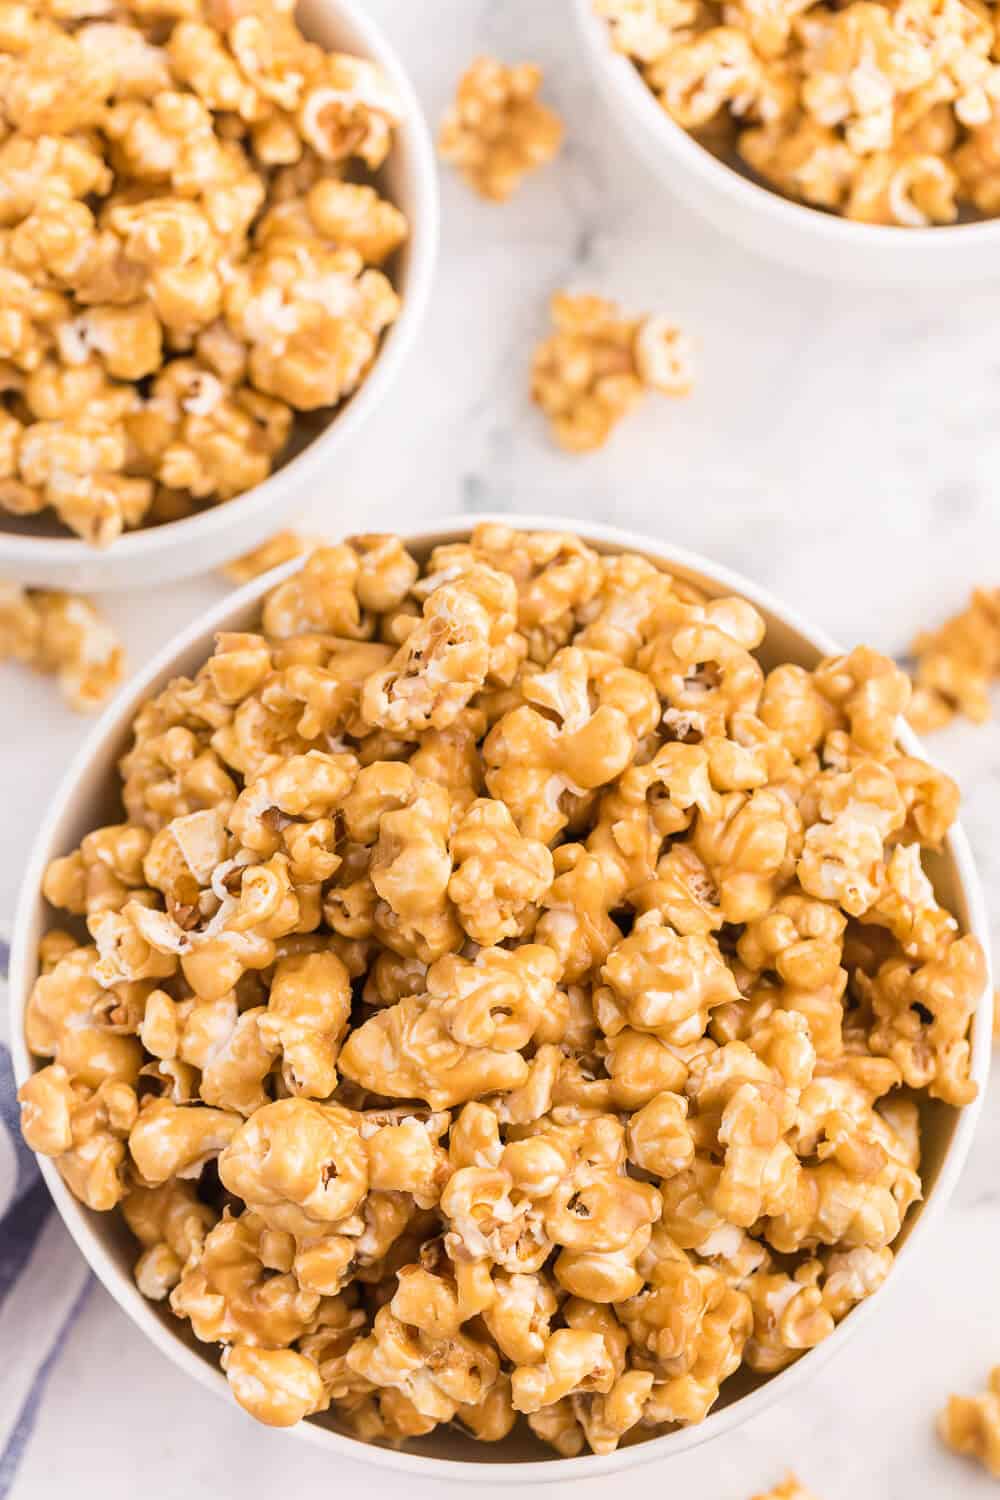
x,y
514,998
857,141
221,225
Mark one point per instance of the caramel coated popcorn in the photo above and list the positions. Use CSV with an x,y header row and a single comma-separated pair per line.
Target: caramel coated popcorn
x,y
957,664
504,999
789,1489
970,1425
64,636
497,130
598,365
185,258
885,111
283,547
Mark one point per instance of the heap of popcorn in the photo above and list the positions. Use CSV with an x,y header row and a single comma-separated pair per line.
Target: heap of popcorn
x,y
189,250
886,111
506,996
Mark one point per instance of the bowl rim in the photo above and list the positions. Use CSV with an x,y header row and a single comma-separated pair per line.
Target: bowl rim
x,y
25,551
554,1470
929,240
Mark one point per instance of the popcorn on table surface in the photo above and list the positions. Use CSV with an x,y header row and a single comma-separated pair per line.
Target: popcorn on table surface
x,y
598,365
957,664
183,262
502,999
497,130
970,1425
885,111
65,636
283,547
788,1489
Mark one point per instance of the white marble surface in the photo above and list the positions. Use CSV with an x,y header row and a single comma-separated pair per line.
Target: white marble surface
x,y
841,447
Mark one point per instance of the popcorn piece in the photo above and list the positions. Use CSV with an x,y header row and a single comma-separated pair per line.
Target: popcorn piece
x,y
353,215
349,110
64,635
281,548
956,664
463,1038
462,639
574,1360
555,573
307,1014
194,436
706,74
83,1129
577,731
694,1326
321,596
311,316
230,1293
170,1223
497,131
170,1140
409,871
644,29
499,876
69,1018
790,1488
662,983
597,365
921,1013
436,1375
37,102
277,1386
970,1425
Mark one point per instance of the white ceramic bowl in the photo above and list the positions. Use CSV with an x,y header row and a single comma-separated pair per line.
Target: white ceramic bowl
x,y
87,798
38,551
807,238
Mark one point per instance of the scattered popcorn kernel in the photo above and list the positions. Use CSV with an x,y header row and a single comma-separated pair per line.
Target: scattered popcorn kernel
x,y
597,366
789,1489
497,130
64,636
956,665
970,1425
283,547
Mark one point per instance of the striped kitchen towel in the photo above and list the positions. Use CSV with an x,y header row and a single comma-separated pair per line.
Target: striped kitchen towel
x,y
44,1280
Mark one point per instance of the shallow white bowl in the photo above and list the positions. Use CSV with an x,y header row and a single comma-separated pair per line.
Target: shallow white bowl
x,y
38,550
87,798
763,221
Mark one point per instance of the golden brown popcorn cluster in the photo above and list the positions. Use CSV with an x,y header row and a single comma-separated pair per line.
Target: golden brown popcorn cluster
x,y
885,111
970,1425
186,258
65,636
957,664
506,996
598,364
497,130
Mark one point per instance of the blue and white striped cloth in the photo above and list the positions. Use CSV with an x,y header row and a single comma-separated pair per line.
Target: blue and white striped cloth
x,y
44,1281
